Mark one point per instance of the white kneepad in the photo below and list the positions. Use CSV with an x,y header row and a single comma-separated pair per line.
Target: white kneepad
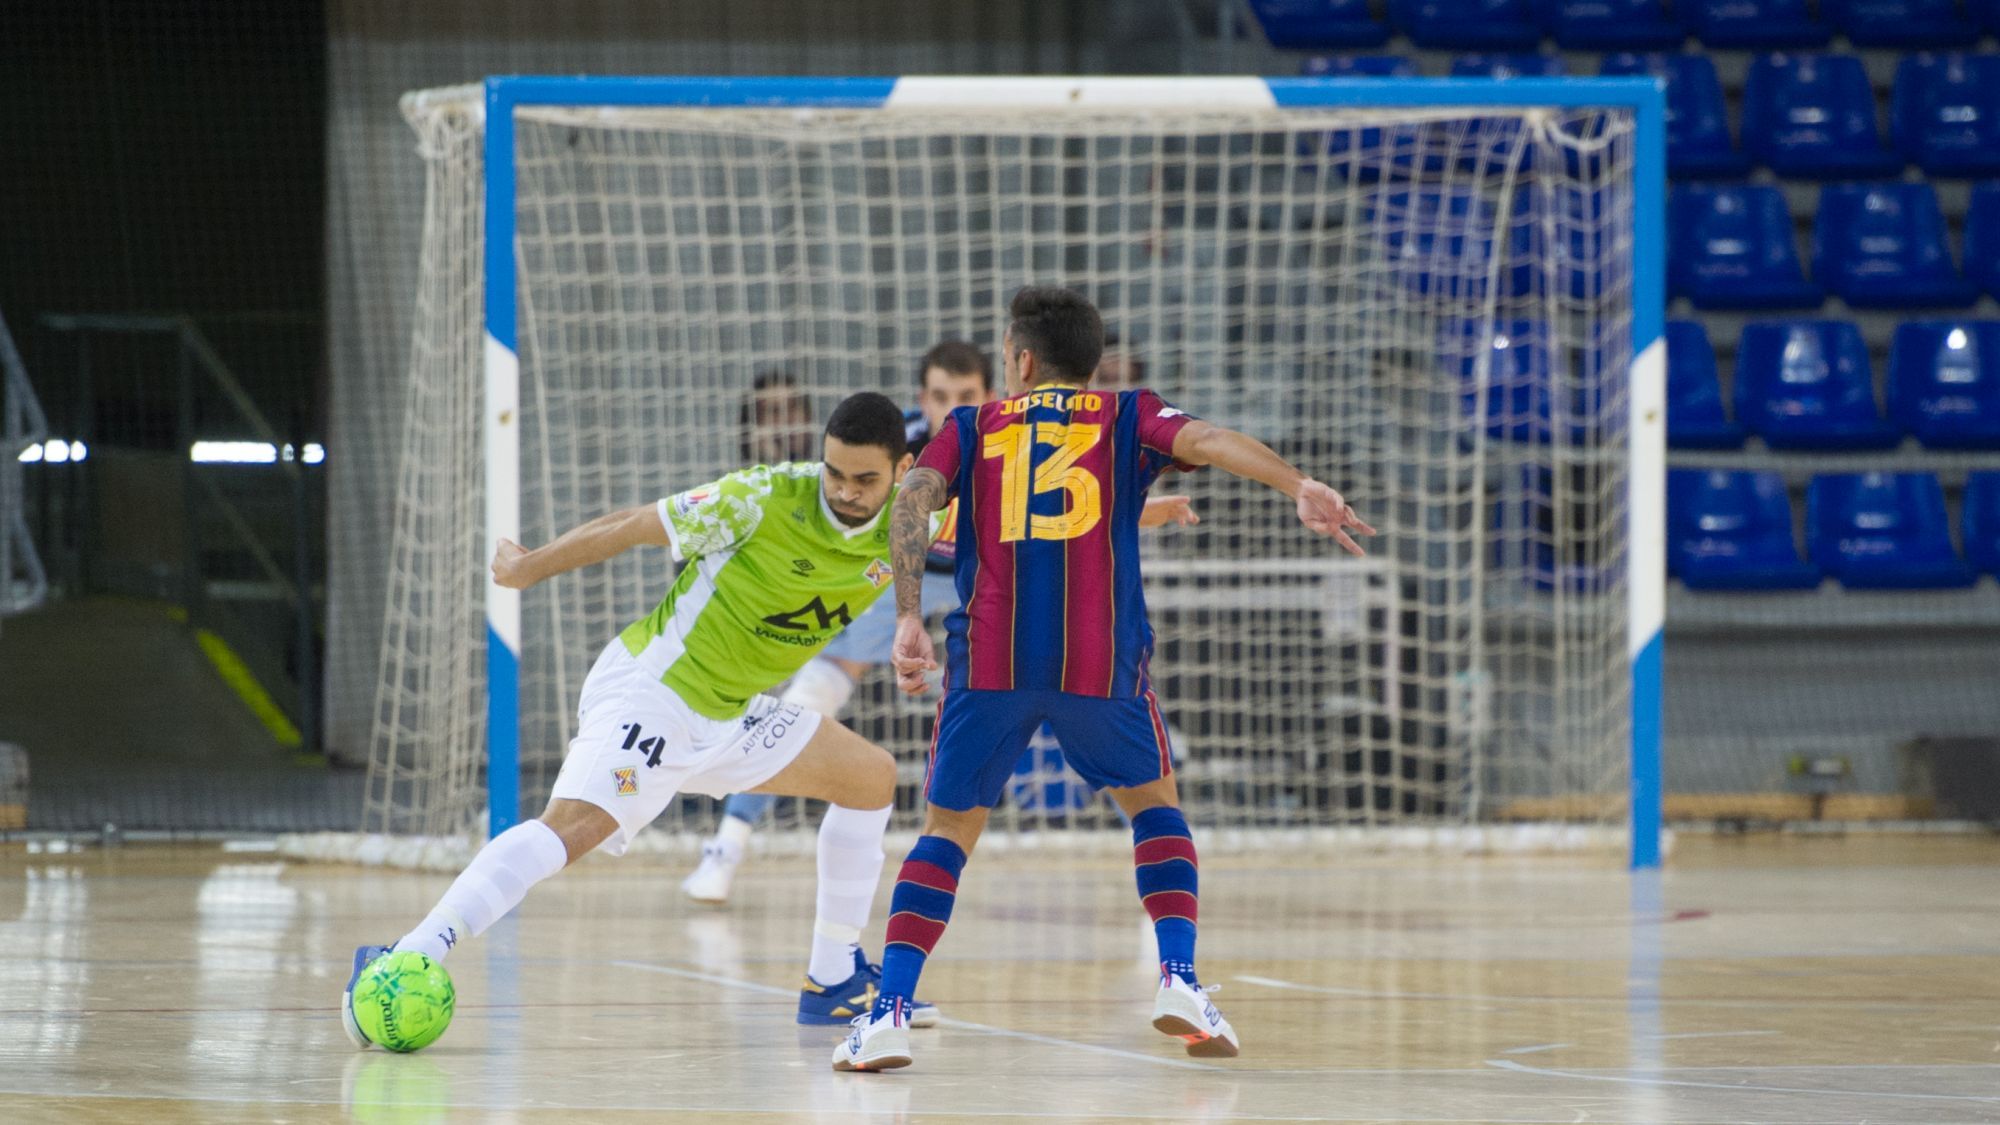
x,y
820,686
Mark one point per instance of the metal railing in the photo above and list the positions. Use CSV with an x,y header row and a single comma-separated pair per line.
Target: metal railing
x,y
24,583
227,508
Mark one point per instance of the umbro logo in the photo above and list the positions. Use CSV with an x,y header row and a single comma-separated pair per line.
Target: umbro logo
x,y
803,566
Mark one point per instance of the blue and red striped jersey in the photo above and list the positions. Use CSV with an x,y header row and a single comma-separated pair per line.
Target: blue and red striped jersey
x,y
1050,484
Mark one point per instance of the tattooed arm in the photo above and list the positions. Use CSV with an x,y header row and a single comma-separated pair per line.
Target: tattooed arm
x,y
923,491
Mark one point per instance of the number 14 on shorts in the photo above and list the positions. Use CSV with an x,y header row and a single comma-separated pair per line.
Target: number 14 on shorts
x,y
651,747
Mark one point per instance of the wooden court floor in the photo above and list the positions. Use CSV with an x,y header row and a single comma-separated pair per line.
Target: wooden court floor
x,y
1761,979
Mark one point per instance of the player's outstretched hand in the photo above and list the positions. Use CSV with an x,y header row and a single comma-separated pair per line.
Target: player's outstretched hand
x,y
912,654
1326,513
509,566
1162,510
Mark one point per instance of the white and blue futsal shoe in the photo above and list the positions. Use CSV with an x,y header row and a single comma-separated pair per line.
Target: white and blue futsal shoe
x,y
364,956
877,1042
1185,1012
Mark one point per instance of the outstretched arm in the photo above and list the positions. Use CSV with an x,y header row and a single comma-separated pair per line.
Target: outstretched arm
x,y
518,568
1320,508
923,492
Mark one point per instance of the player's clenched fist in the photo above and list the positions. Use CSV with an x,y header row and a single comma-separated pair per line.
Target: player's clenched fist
x,y
510,568
1325,512
912,655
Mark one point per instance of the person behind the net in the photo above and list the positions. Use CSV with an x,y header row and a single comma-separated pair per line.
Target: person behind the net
x,y
951,374
779,558
1052,627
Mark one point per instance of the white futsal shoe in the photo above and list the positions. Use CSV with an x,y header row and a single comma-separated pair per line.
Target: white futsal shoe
x,y
876,1043
1186,1013
710,882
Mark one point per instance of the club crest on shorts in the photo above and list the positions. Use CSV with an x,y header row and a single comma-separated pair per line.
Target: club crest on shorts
x,y
627,779
879,574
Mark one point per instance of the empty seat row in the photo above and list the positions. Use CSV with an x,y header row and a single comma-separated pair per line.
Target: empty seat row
x,y
1810,116
1880,245
1614,25
1808,385
1733,531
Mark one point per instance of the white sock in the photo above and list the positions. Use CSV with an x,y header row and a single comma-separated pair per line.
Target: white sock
x,y
495,882
850,868
732,836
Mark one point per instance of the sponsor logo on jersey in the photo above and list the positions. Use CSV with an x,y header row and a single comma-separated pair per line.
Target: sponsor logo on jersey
x,y
688,501
782,721
627,780
1171,412
879,574
803,566
820,613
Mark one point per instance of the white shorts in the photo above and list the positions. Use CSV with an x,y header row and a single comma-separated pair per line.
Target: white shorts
x,y
638,744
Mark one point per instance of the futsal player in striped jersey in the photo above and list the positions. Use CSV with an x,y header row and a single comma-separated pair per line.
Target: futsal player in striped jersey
x,y
1052,628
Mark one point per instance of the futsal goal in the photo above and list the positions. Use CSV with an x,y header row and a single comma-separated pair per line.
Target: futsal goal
x,y
1444,297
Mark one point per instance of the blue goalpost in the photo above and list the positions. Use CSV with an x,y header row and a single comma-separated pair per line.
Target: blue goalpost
x,y
1644,502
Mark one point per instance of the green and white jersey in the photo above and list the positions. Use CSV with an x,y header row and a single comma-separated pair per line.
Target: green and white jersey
x,y
773,575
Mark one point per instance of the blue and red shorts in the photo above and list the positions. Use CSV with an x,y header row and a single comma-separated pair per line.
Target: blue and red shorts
x,y
1116,743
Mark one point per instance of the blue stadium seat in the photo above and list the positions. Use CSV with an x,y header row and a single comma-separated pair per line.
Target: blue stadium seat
x,y
1698,141
1517,389
1358,66
1507,64
1814,115
1982,238
1882,246
1756,23
1440,240
1731,247
1615,25
1355,153
1982,521
1944,382
1945,113
1468,25
1733,531
1319,24
1902,23
1883,531
1695,418
1805,384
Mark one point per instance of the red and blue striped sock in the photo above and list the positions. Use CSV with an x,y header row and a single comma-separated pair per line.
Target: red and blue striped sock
x,y
926,887
1169,885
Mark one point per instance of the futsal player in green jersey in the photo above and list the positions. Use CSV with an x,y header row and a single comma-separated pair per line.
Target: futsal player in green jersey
x,y
779,559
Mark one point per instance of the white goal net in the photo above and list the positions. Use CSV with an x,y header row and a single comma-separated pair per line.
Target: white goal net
x,y
1430,309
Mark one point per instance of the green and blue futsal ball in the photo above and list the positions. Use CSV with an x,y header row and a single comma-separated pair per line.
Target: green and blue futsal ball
x,y
403,1001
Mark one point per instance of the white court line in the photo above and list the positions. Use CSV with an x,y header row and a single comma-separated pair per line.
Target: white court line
x,y
1482,998
1536,1048
1711,1034
1634,1080
1006,1033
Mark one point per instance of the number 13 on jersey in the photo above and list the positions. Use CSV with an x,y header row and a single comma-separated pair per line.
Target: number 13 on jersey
x,y
1014,446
